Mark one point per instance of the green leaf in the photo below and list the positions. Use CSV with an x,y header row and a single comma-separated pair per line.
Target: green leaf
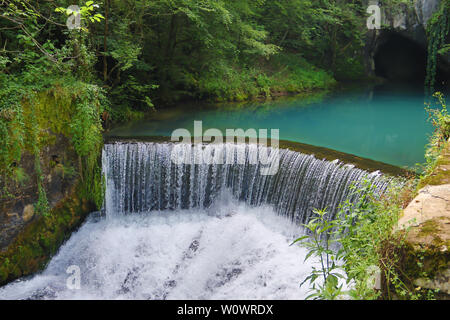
x,y
299,239
310,253
312,296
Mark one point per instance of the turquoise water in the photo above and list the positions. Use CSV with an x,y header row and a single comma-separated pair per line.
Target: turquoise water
x,y
380,123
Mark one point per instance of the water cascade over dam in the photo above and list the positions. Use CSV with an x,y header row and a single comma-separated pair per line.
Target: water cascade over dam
x,y
142,177
196,230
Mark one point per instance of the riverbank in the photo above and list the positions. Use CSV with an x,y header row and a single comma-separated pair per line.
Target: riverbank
x,y
427,221
283,75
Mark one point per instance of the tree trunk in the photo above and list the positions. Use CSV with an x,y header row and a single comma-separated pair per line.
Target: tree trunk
x,y
105,44
333,49
169,52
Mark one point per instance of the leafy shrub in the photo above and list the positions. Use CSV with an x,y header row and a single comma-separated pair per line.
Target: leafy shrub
x,y
360,232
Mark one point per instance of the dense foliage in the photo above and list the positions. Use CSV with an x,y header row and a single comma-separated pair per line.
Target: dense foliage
x,y
129,57
438,30
125,57
145,52
46,90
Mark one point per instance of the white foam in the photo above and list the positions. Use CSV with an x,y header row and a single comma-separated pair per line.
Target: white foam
x,y
230,251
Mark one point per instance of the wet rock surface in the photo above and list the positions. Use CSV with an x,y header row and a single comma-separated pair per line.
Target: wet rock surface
x,y
18,210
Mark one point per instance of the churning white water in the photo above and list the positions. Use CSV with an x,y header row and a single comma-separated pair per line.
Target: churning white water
x,y
195,230
229,251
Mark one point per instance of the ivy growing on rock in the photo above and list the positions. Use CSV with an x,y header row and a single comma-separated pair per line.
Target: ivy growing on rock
x,y
70,108
437,30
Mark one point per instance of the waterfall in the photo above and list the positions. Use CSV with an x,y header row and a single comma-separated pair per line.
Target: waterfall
x,y
141,177
199,231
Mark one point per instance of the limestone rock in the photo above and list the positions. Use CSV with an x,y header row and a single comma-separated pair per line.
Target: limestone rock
x,y
425,9
431,202
427,219
441,281
28,212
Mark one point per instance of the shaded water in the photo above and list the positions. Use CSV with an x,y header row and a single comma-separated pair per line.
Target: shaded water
x,y
386,124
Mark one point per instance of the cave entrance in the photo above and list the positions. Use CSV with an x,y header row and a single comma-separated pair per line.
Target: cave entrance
x,y
400,59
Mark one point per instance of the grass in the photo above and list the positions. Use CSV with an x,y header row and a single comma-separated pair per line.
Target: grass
x,y
283,74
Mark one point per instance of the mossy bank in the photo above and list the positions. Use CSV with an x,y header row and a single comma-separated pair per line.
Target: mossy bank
x,y
425,257
50,174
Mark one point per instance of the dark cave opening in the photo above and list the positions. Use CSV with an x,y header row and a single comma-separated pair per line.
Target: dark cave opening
x,y
401,60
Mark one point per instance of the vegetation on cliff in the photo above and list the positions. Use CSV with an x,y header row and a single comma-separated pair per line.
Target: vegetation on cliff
x,y
46,92
35,115
146,53
438,29
49,99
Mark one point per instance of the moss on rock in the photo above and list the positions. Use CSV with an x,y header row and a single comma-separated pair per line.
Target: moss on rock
x,y
440,173
40,240
57,144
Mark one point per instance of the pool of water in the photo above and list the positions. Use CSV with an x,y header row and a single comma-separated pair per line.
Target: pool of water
x,y
383,123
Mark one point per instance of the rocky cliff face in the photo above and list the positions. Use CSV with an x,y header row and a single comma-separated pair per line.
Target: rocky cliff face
x,y
408,21
27,238
424,9
50,187
18,210
427,218
411,18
